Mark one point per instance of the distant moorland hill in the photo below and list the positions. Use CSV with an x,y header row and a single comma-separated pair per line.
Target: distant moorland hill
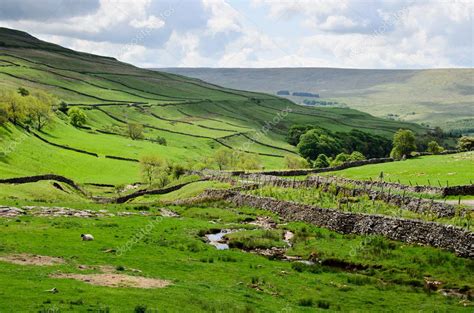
x,y
438,97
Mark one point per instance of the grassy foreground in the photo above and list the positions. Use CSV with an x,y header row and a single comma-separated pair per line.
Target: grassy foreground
x,y
205,279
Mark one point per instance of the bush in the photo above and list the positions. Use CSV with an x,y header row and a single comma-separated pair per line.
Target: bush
x,y
305,302
161,140
321,162
466,143
340,159
434,147
356,156
293,162
77,117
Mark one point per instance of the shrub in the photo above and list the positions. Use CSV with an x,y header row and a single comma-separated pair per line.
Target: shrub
x,y
321,162
293,162
305,302
466,143
341,158
323,304
77,117
434,147
161,140
23,92
356,156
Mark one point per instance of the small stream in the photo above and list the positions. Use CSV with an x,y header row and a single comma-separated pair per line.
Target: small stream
x,y
217,239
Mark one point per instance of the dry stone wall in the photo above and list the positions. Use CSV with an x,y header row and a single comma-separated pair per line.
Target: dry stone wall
x,y
417,205
433,234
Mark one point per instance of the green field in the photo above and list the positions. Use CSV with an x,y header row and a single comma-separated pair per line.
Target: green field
x,y
451,170
205,279
196,118
154,253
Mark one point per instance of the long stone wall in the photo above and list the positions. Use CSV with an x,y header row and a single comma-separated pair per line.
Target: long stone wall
x,y
33,179
417,205
433,234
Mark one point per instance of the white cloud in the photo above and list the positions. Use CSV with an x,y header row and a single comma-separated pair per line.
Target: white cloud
x,y
346,33
152,22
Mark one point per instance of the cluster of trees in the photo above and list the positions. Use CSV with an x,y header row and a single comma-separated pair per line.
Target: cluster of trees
x,y
227,159
324,161
28,109
312,141
159,172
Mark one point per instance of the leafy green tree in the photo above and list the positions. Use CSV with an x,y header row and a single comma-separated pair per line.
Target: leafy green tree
x,y
315,142
321,161
14,105
294,162
403,143
341,158
222,157
466,143
356,156
135,131
434,147
295,132
39,111
155,170
77,117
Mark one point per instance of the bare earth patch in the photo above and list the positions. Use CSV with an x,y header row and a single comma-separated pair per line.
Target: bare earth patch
x,y
117,280
31,259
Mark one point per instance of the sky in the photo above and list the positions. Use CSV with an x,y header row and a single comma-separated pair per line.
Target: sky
x,y
388,34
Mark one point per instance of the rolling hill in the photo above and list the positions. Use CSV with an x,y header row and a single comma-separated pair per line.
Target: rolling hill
x,y
196,118
438,97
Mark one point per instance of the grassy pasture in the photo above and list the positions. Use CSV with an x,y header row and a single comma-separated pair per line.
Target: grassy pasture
x,y
451,170
206,279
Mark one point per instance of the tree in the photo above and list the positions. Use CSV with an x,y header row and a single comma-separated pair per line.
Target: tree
x,y
403,143
135,131
314,142
322,161
341,158
223,158
23,92
294,162
77,117
155,170
434,147
466,143
14,106
356,156
295,132
39,111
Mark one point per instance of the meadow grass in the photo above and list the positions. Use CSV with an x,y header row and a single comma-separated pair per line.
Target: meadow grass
x,y
432,170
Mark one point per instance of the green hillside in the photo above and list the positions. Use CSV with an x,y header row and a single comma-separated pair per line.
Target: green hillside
x,y
438,97
196,118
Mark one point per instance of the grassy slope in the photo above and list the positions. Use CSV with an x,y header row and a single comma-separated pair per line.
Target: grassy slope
x,y
439,97
195,117
206,279
456,169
